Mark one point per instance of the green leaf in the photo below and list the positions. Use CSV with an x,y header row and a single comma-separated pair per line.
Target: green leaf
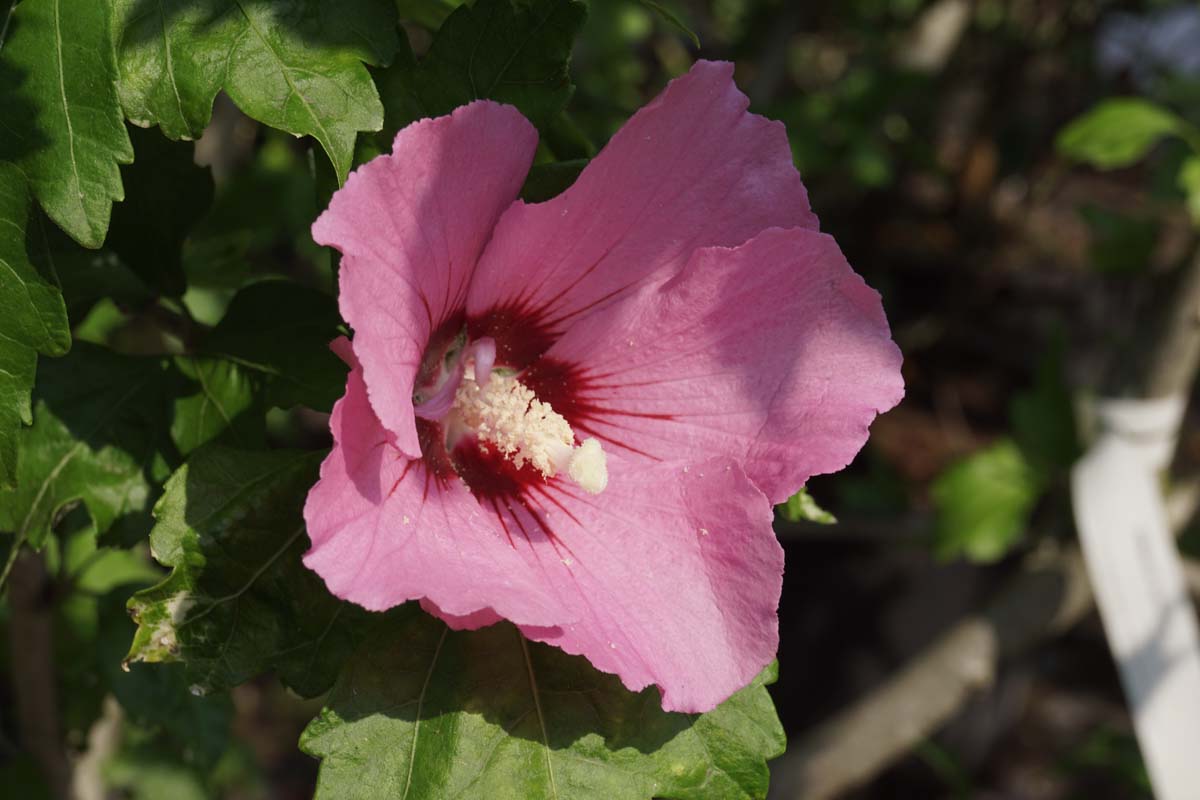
x,y
99,437
428,14
149,765
1189,182
673,18
166,194
157,696
62,122
550,180
515,53
1043,418
1117,132
22,776
295,66
225,404
18,364
801,507
283,330
96,570
238,600
425,712
984,502
32,312
89,276
33,317
1121,244
259,210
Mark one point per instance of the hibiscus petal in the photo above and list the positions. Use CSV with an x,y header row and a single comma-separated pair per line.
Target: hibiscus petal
x,y
675,577
385,530
671,576
774,353
410,227
691,169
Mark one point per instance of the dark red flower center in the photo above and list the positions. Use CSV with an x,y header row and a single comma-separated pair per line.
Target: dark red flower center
x,y
504,433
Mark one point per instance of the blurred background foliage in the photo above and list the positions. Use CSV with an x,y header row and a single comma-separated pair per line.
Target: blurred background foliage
x,y
964,156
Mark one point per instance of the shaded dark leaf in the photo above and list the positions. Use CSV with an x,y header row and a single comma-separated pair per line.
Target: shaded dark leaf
x,y
238,600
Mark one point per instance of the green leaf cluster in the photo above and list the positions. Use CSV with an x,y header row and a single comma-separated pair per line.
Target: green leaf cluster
x,y
175,420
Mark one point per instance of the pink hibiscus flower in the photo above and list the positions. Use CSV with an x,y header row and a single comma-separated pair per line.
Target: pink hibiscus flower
x,y
576,415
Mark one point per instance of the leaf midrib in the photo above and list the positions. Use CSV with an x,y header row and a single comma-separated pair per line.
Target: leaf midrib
x,y
283,70
62,90
412,753
537,705
258,573
162,24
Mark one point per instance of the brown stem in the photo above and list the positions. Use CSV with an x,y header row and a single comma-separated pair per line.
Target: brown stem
x,y
31,642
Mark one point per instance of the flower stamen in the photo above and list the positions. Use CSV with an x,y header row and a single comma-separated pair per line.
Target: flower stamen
x,y
506,415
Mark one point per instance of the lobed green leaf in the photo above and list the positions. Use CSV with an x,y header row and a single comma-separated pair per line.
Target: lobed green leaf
x,y
226,405
425,712
515,53
282,331
62,120
99,437
238,600
33,316
296,65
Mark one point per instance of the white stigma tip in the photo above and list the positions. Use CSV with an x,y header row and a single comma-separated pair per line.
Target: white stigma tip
x,y
589,467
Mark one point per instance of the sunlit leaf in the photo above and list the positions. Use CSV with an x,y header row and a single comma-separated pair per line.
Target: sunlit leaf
x,y
801,507
983,502
1117,132
425,712
225,405
295,66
